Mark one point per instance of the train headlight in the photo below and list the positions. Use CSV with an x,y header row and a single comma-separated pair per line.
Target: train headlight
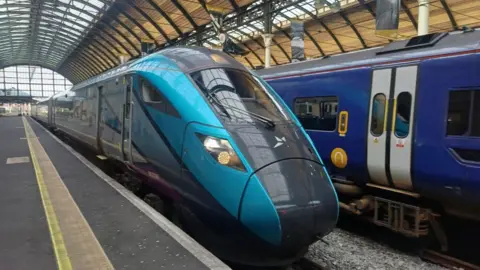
x,y
222,151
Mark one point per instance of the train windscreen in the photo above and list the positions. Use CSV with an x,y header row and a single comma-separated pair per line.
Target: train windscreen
x,y
238,96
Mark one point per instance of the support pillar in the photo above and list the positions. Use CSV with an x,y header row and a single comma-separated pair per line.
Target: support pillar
x,y
423,17
267,39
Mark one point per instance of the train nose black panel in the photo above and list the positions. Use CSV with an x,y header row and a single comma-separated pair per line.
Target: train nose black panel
x,y
304,198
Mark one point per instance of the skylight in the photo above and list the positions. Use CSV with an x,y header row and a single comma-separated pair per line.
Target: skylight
x,y
57,27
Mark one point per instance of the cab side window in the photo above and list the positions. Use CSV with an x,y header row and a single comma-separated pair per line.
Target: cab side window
x,y
150,94
154,98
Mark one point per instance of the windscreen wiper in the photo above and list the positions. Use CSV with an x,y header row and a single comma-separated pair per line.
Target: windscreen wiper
x,y
269,122
214,99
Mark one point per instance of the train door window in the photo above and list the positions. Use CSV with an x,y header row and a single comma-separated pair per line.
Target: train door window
x,y
317,113
402,118
377,122
459,107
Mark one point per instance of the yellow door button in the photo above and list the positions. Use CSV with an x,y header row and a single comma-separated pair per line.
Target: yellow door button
x,y
339,158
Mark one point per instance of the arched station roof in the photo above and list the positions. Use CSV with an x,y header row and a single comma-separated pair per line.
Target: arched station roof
x,y
82,38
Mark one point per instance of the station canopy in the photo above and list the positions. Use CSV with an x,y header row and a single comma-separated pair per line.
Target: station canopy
x,y
82,38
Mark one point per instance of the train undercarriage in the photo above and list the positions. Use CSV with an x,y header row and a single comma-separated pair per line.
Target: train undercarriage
x,y
401,211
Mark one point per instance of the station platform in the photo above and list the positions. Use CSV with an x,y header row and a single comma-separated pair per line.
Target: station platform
x,y
58,211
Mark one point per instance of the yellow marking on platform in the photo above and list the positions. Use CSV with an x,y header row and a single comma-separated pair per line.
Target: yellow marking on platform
x,y
74,242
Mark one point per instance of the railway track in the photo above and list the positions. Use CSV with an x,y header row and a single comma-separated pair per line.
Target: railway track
x,y
446,261
307,264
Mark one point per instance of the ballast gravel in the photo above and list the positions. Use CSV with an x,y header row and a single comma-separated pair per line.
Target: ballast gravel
x,y
346,250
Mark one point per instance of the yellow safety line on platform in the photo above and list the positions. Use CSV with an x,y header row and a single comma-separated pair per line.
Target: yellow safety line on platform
x,y
61,254
74,242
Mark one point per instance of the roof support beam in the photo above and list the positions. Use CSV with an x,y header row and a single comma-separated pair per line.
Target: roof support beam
x,y
355,30
249,63
409,14
80,69
320,20
315,43
83,62
140,26
90,60
152,22
450,14
105,51
105,61
164,15
112,45
185,14
123,36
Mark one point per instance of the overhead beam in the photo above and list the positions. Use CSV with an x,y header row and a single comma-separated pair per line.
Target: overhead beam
x,y
152,22
165,15
320,20
449,14
409,14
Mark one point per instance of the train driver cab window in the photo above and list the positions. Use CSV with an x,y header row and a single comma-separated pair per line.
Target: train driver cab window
x,y
377,122
402,118
317,113
464,113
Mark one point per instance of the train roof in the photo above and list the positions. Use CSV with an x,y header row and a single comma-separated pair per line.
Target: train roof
x,y
417,47
188,59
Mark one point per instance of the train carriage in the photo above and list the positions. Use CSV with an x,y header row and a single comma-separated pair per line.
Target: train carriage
x,y
212,142
397,126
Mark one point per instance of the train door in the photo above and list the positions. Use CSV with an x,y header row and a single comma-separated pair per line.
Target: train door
x,y
99,127
50,112
390,137
127,116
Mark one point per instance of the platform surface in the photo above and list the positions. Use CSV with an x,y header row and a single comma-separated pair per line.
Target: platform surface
x,y
57,211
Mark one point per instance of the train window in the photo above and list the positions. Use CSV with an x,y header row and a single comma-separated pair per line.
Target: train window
x,y
468,154
459,107
402,119
475,127
377,122
150,94
317,113
154,98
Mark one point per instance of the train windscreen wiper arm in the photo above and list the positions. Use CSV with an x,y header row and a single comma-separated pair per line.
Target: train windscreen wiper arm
x,y
269,122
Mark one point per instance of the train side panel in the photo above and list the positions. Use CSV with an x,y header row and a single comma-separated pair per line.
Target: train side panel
x,y
40,111
111,100
345,156
447,130
76,114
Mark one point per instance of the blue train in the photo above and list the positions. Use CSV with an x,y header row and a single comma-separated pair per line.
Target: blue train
x,y
214,142
397,126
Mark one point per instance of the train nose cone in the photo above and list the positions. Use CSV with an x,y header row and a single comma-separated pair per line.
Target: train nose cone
x,y
302,197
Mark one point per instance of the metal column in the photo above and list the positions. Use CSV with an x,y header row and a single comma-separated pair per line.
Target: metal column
x,y
423,17
267,39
